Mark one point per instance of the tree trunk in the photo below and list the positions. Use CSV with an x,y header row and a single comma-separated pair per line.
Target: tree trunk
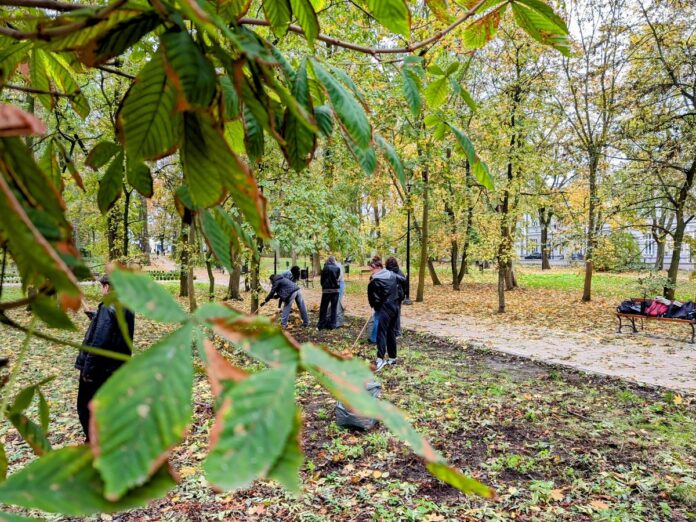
x,y
316,264
235,276
112,234
126,212
183,260
464,267
375,209
211,278
673,271
293,258
192,257
433,274
255,268
501,287
545,221
144,231
454,245
591,226
424,240
660,254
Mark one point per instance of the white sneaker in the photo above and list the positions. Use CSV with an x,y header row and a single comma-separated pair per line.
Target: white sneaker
x,y
392,361
379,364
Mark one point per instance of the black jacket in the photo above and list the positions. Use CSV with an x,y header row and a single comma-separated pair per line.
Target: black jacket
x,y
402,283
383,288
104,332
329,278
282,288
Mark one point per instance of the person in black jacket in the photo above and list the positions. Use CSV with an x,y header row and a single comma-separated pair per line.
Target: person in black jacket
x,y
393,266
103,332
288,292
383,295
330,288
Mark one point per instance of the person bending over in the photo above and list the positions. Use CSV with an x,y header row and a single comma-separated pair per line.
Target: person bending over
x,y
288,292
95,370
383,295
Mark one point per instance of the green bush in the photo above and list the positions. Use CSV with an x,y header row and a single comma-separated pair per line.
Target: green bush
x,y
616,252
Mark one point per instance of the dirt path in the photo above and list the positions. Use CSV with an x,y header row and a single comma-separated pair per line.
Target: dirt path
x,y
654,361
668,363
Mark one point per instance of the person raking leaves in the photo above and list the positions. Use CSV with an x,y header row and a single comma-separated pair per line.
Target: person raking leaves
x,y
383,295
288,292
103,332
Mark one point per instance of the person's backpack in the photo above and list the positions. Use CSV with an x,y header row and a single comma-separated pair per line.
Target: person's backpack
x,y
657,309
629,307
347,419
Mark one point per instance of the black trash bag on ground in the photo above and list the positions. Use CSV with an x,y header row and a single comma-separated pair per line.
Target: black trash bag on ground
x,y
630,307
347,419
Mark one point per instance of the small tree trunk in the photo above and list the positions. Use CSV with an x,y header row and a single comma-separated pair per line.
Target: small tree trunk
x,y
112,234
591,226
501,287
126,212
545,221
233,287
660,254
316,264
183,261
293,258
433,274
673,271
255,267
144,231
192,251
211,279
424,241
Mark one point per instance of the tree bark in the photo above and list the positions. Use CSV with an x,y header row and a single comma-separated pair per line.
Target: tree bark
x,y
235,277
126,213
293,258
144,231
545,220
112,234
591,226
375,209
211,278
433,274
424,240
183,260
316,264
193,250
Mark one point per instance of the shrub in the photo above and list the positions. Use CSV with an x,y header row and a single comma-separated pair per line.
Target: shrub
x,y
616,252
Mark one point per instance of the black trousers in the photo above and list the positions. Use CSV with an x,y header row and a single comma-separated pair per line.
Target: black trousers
x,y
386,330
87,388
328,307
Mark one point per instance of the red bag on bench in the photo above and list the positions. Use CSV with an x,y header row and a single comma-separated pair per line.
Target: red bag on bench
x,y
656,309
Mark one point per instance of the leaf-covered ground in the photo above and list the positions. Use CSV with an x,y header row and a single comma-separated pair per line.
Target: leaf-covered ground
x,y
556,445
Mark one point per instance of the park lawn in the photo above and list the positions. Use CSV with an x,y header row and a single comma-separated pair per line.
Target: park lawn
x,y
556,445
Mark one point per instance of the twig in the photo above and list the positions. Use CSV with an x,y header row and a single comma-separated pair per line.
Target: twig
x,y
62,30
45,4
378,50
115,71
89,349
39,91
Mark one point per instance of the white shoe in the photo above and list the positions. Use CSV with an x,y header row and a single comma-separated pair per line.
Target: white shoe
x,y
379,364
392,361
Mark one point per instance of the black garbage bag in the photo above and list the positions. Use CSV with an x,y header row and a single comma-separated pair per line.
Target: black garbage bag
x,y
347,419
685,311
630,307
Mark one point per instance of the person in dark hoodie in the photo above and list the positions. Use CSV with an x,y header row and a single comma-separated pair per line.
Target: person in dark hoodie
x,y
103,332
330,288
293,274
383,295
288,292
393,266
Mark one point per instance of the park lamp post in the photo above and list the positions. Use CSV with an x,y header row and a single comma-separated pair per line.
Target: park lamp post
x,y
407,300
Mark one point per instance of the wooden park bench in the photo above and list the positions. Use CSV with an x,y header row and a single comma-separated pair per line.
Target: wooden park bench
x,y
631,318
